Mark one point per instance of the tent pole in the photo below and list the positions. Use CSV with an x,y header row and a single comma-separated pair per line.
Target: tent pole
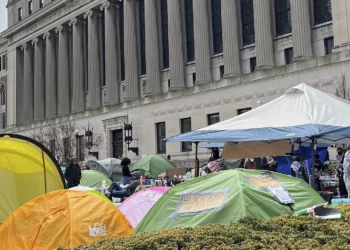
x,y
43,157
313,161
197,161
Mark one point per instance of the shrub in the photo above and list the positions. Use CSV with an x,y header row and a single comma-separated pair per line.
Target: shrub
x,y
284,232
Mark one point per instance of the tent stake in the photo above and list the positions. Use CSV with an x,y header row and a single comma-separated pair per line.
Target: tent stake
x,y
313,162
197,161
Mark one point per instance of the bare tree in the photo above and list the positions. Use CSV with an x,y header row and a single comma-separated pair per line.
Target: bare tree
x,y
342,89
61,141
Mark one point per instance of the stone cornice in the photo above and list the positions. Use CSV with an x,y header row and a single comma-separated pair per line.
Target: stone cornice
x,y
45,16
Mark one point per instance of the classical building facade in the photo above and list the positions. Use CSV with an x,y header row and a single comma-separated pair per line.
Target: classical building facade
x,y
167,66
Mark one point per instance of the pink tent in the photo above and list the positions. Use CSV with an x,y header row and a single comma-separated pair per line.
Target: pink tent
x,y
137,206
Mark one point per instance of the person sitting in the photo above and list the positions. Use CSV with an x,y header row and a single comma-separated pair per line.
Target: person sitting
x,y
249,164
117,191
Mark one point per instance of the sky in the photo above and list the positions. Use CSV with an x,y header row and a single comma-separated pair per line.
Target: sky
x,y
3,15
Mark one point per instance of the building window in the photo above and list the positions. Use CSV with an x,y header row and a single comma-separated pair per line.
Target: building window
x,y
30,7
41,3
216,26
189,30
3,62
252,62
288,54
121,41
213,118
186,127
161,145
322,11
2,121
247,16
194,78
328,45
2,96
242,111
81,147
20,14
283,17
222,71
142,36
53,147
165,36
102,49
66,148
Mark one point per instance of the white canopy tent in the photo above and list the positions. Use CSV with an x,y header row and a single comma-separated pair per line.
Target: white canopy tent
x,y
302,113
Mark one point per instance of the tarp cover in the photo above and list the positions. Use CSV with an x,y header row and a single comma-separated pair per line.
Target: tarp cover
x,y
93,179
152,166
27,170
225,197
137,206
63,218
302,112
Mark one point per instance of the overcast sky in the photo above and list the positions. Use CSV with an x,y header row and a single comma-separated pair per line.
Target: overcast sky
x,y
3,15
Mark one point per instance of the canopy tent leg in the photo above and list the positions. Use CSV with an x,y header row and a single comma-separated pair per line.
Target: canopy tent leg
x,y
197,161
43,158
313,162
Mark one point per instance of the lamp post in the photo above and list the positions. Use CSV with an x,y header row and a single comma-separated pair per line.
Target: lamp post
x,y
89,137
76,133
128,138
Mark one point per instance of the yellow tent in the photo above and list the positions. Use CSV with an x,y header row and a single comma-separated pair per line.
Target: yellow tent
x,y
27,170
64,218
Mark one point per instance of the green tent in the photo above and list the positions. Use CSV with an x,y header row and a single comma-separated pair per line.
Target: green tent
x,y
152,166
225,197
93,179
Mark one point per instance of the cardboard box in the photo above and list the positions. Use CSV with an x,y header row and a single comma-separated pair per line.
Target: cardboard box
x,y
176,171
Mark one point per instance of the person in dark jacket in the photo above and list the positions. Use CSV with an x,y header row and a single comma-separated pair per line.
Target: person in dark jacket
x,y
72,174
126,171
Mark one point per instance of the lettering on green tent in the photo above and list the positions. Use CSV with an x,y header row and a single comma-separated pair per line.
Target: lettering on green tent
x,y
200,202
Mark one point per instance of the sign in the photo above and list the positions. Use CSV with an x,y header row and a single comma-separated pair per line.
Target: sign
x,y
263,181
98,230
281,195
199,202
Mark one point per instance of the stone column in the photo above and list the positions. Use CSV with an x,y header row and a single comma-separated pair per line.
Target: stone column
x,y
63,71
263,34
202,41
39,80
27,84
130,50
152,48
78,102
302,43
50,76
94,70
231,38
111,55
176,51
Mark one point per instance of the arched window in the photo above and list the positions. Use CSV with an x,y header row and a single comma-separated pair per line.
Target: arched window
x,y
283,17
2,95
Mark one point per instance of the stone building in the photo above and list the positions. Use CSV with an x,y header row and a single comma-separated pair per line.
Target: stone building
x,y
167,66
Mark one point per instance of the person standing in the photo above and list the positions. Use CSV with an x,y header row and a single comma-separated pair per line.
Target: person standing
x,y
249,164
126,171
72,174
346,167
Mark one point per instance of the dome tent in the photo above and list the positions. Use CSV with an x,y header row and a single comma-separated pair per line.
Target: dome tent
x,y
27,170
110,167
225,197
65,219
93,179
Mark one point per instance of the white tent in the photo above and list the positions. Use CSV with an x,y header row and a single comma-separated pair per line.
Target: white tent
x,y
301,113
